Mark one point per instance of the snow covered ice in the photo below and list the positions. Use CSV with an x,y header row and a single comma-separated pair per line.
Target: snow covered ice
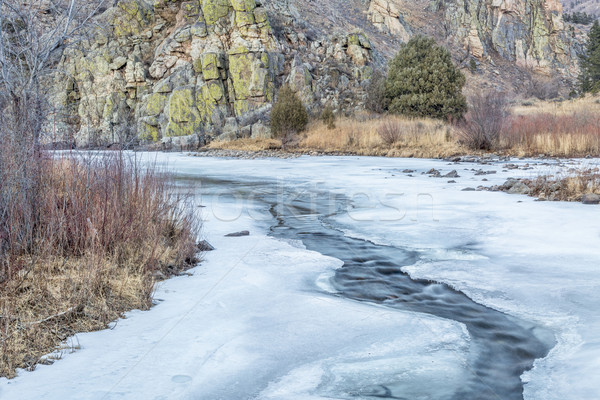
x,y
257,318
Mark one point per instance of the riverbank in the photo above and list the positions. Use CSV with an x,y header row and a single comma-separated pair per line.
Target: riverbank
x,y
564,129
255,319
260,304
83,238
574,184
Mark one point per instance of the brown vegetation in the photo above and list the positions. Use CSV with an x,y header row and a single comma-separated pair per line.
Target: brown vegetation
x,y
82,239
571,187
484,122
561,129
574,135
246,144
385,136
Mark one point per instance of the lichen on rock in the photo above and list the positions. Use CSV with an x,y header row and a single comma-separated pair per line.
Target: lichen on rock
x,y
182,69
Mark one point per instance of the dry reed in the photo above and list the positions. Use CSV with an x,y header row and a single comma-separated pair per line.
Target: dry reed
x,y
81,241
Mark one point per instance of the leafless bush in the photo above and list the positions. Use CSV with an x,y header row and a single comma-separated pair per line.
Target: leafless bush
x,y
543,88
86,237
376,100
571,135
33,36
482,125
390,131
81,239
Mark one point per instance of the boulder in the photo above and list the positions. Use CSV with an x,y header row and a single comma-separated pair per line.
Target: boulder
x,y
261,131
519,188
451,174
590,199
203,245
238,234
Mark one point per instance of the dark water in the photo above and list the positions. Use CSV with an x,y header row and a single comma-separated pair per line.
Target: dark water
x,y
503,346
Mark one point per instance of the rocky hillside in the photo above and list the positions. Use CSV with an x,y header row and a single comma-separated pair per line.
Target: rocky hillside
x,y
185,72
587,6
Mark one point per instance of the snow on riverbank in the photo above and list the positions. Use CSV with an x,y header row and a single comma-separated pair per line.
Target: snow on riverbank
x,y
535,260
253,323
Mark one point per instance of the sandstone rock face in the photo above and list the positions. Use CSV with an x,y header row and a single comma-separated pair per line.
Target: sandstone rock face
x,y
186,72
171,69
530,33
182,73
387,16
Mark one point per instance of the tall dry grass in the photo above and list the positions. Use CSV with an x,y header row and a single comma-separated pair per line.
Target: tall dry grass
x,y
564,135
561,129
82,239
589,104
389,136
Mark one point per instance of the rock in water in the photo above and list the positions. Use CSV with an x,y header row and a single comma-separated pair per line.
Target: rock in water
x,y
204,246
452,174
519,188
433,172
590,198
238,234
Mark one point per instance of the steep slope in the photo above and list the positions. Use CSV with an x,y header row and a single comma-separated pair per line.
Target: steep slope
x,y
587,6
185,72
529,32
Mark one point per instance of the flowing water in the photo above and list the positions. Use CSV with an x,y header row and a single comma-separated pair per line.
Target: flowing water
x,y
503,347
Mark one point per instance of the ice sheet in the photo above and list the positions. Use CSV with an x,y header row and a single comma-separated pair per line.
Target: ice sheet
x,y
251,318
254,320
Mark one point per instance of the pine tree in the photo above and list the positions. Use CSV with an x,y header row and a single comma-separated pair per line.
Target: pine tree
x,y
423,82
289,115
589,77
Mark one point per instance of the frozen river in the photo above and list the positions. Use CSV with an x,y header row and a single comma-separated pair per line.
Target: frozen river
x,y
362,278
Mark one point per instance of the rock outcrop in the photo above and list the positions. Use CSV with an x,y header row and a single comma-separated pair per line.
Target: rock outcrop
x,y
387,16
529,32
183,73
172,71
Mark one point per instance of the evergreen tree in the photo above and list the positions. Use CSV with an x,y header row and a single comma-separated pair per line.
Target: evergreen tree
x,y
289,115
589,77
423,82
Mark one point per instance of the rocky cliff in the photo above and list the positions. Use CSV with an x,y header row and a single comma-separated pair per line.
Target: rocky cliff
x,y
185,72
529,32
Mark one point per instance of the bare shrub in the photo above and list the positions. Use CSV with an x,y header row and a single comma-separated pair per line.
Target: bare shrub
x,y
82,239
570,135
390,131
80,243
376,100
487,116
543,88
33,36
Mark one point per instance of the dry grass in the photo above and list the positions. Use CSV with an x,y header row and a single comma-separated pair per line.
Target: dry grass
x,y
561,129
246,145
576,135
386,136
100,232
364,136
590,104
571,187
